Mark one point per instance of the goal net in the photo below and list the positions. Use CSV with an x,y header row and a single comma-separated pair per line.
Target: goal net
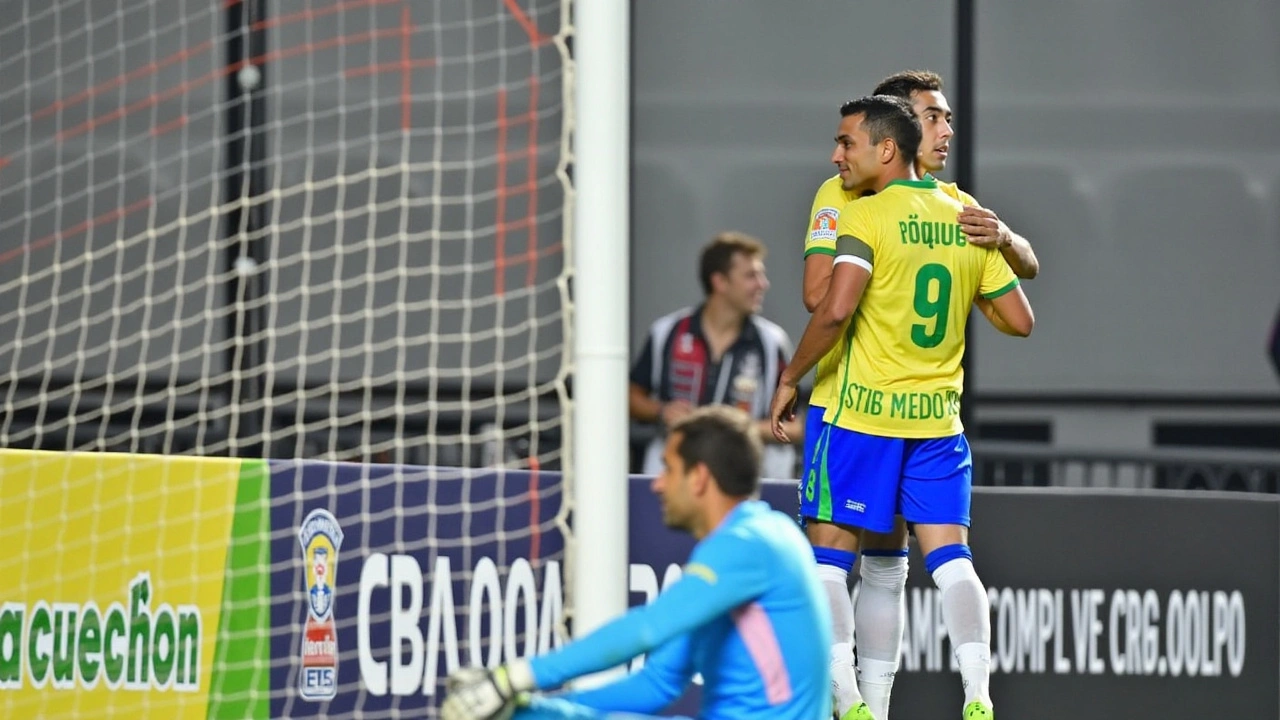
x,y
322,244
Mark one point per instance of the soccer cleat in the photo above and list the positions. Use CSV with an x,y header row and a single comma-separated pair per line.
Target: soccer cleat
x,y
977,710
858,712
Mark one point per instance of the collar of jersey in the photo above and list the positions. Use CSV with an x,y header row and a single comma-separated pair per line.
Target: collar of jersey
x,y
928,183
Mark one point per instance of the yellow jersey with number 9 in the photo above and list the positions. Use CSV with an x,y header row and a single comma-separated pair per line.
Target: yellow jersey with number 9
x,y
821,239
900,373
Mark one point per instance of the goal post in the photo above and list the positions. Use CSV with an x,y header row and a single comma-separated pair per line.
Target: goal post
x,y
601,266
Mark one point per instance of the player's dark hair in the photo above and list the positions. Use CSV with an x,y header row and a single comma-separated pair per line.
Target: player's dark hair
x,y
723,438
717,256
904,83
887,116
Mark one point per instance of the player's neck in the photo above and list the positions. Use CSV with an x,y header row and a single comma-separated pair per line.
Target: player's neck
x,y
713,516
896,173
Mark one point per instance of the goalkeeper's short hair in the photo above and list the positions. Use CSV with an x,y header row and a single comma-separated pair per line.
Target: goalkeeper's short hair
x,y
723,438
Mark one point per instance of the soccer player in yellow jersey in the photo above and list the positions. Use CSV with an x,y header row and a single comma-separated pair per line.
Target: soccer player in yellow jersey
x,y
880,613
903,281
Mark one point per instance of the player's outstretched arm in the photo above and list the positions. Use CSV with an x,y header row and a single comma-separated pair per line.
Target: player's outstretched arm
x,y
662,626
724,573
848,282
666,672
1013,311
985,229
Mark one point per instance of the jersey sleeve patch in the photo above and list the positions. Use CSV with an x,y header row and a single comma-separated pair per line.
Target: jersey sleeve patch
x,y
824,224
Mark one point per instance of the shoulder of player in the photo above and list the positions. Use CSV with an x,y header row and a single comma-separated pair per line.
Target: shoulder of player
x,y
953,191
832,189
831,194
937,193
728,544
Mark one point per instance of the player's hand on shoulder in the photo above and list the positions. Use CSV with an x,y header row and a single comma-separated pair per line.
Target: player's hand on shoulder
x,y
983,227
482,694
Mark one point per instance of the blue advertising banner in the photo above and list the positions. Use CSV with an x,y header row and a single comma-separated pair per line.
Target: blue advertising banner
x,y
1143,604
436,567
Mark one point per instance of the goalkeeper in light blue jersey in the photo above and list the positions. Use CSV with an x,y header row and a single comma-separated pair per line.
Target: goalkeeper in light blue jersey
x,y
749,613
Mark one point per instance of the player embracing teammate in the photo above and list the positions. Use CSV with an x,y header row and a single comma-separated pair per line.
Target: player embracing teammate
x,y
885,442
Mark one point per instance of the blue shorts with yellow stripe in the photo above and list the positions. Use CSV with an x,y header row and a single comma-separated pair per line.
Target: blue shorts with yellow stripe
x,y
862,480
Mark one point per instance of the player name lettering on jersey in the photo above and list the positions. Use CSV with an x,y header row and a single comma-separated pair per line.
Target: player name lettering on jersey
x,y
931,233
907,335
902,405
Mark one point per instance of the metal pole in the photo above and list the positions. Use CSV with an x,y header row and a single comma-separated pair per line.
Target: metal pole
x,y
246,218
963,104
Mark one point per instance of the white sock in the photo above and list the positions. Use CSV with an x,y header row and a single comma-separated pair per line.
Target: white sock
x,y
880,616
875,680
967,615
844,684
975,671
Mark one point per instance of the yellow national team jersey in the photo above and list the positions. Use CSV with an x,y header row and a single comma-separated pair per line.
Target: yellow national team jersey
x,y
900,375
820,238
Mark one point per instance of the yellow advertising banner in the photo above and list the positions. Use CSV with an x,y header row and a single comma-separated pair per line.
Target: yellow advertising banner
x,y
112,573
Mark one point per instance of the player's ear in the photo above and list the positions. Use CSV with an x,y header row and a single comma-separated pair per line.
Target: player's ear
x,y
888,151
718,281
700,479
